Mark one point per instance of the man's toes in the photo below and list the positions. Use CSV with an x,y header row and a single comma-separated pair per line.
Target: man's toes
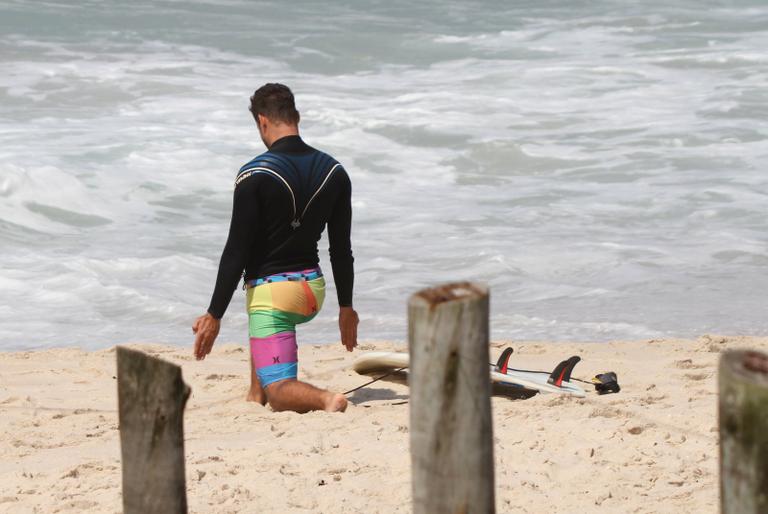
x,y
337,403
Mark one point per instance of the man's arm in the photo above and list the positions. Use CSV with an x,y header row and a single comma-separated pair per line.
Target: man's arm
x,y
342,262
245,215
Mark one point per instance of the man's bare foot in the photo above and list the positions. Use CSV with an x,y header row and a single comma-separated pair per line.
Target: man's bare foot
x,y
336,403
257,395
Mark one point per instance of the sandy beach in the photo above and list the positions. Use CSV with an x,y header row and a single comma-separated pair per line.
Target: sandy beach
x,y
650,448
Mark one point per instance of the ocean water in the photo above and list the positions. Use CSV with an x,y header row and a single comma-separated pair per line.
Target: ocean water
x,y
601,165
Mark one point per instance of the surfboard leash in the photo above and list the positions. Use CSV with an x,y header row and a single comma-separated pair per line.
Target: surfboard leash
x,y
375,380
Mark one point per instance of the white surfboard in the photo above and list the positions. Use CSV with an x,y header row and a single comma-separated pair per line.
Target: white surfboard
x,y
383,362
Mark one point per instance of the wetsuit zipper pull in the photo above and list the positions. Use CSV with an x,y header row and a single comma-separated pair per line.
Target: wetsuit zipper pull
x,y
295,224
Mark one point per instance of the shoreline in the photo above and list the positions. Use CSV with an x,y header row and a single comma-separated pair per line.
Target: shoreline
x,y
653,444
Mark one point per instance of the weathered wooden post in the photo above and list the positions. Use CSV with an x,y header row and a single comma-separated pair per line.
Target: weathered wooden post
x,y
451,425
151,398
743,432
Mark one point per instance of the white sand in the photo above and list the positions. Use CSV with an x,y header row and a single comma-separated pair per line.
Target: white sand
x,y
650,448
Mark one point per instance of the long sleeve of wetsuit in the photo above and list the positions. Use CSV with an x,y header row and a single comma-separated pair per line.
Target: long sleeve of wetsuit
x,y
340,246
245,217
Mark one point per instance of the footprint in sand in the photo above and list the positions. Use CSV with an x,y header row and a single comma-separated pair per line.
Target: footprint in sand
x,y
607,412
563,400
652,399
697,376
216,376
86,469
689,364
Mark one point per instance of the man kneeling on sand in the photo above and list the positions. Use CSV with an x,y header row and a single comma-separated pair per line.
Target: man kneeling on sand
x,y
283,200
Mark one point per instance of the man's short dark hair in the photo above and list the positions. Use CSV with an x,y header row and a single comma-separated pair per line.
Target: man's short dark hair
x,y
275,101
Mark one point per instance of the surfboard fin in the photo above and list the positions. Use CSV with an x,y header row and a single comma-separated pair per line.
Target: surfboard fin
x,y
562,372
503,362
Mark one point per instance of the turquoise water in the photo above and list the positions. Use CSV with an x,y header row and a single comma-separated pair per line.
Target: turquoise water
x,y
602,166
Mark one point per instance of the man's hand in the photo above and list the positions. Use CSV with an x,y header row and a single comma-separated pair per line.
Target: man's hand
x,y
348,321
207,328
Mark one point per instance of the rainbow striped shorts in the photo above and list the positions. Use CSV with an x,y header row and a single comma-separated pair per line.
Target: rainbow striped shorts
x,y
276,304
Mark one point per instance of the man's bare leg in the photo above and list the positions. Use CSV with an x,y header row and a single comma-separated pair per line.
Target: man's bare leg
x,y
256,392
290,394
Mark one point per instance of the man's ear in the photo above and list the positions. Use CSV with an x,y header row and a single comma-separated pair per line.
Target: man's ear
x,y
261,120
298,117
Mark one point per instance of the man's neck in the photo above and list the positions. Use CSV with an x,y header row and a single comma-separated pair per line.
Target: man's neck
x,y
282,132
291,144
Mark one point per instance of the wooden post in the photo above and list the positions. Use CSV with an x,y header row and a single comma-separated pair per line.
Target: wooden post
x,y
743,432
451,425
151,398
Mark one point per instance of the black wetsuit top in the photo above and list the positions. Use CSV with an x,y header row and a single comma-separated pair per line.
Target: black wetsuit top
x,y
282,202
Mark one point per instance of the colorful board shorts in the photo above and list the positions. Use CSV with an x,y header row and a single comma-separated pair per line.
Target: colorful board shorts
x,y
276,304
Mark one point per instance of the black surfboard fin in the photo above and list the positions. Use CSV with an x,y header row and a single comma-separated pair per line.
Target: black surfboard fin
x,y
562,372
503,362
